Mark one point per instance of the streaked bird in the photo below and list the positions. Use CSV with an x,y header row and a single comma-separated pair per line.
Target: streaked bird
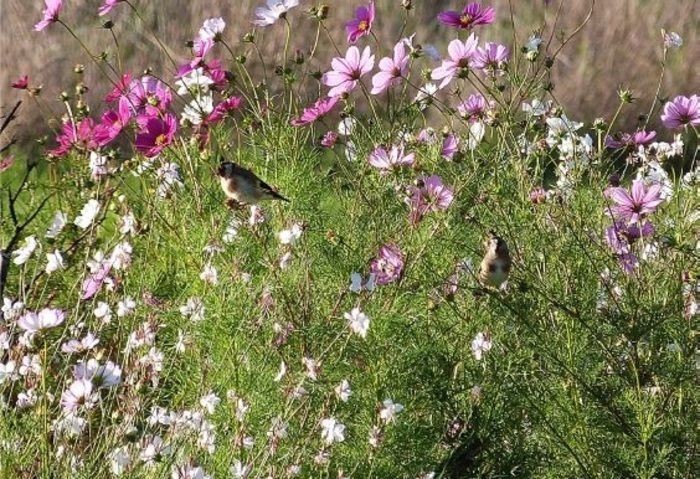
x,y
243,187
496,263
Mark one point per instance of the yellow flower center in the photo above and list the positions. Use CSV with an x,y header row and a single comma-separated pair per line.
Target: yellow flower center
x,y
161,139
465,20
363,25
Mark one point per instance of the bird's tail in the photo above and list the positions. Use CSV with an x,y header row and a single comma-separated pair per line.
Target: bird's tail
x,y
274,195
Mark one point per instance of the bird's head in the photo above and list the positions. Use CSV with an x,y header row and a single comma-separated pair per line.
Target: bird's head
x,y
226,169
496,244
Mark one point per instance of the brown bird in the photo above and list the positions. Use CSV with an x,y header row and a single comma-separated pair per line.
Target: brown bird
x,y
496,263
243,187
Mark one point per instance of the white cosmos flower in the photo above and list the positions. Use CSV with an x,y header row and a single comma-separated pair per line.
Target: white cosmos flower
x,y
346,126
358,322
272,11
119,461
47,318
390,410
240,470
101,376
212,28
198,109
194,309
332,430
477,130
87,214
25,252
481,345
209,402
80,345
425,94
8,371
103,312
343,390
125,307
195,83
54,262
69,425
128,224
350,151
209,274
291,235
57,224
11,309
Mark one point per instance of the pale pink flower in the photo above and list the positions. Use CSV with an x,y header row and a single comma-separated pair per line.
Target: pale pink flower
x,y
460,55
391,69
346,72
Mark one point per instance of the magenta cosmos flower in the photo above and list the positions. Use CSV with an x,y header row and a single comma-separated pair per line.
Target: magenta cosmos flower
x,y
322,107
113,122
388,160
361,24
460,54
491,58
50,13
107,6
156,133
329,139
81,136
630,140
634,205
388,265
472,15
681,111
223,109
430,195
346,72
22,83
391,69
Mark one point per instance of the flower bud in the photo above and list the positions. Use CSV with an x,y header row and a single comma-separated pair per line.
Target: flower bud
x,y
249,38
79,69
64,96
322,12
625,95
108,24
407,4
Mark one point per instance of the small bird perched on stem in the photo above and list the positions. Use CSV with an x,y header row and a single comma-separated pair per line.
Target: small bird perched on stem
x,y
243,187
496,263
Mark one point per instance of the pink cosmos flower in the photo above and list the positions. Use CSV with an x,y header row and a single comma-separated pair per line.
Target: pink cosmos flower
x,y
427,136
92,284
391,69
121,88
472,15
156,133
474,108
361,25
461,54
388,265
200,49
538,196
388,160
149,95
630,140
50,13
450,146
329,139
80,135
681,111
22,83
322,107
223,108
492,58
113,122
634,205
107,6
346,72
431,195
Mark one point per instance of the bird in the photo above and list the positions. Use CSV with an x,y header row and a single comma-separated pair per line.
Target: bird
x,y
496,263
243,187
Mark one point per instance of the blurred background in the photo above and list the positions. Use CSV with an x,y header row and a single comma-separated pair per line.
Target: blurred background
x,y
620,46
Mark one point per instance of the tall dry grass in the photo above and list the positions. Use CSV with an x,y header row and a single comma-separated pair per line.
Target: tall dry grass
x,y
620,45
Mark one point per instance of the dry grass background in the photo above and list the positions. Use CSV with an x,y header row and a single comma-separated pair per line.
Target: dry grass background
x,y
621,45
